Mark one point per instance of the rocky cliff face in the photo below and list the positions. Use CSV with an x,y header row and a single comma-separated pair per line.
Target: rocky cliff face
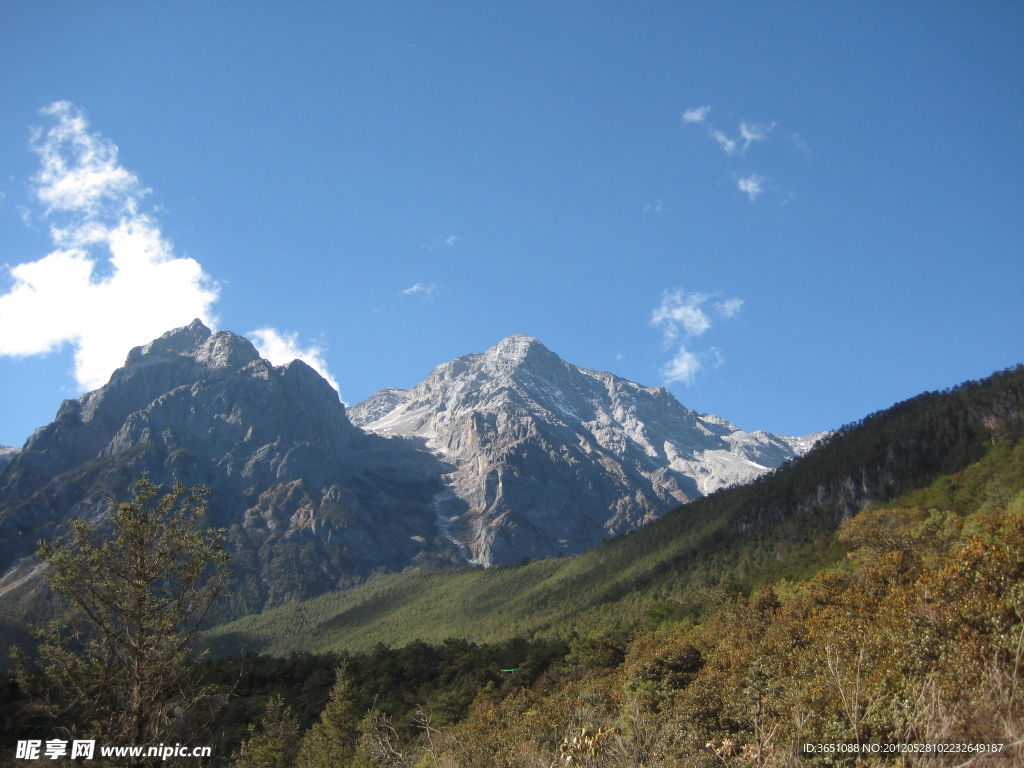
x,y
311,502
550,459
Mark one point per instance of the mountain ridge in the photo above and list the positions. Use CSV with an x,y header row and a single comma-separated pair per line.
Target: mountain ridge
x,y
310,502
539,458
490,413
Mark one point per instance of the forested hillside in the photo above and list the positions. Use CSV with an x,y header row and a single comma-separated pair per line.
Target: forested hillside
x,y
914,637
738,539
863,606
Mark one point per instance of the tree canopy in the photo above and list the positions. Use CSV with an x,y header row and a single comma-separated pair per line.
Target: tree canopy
x,y
136,592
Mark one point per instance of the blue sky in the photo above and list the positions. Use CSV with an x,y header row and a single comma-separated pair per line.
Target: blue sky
x,y
791,214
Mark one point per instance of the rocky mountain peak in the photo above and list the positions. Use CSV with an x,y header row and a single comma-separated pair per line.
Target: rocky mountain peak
x,y
517,349
521,354
181,340
191,385
198,343
378,405
550,458
272,443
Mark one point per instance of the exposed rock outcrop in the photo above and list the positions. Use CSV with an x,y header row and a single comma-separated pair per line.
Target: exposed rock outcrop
x,y
550,459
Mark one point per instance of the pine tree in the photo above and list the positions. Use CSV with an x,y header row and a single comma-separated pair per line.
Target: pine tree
x,y
331,742
275,744
117,668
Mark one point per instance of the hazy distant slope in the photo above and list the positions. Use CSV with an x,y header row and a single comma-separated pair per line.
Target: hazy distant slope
x,y
7,455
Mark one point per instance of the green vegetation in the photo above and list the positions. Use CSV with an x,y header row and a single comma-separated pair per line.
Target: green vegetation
x,y
740,539
915,636
116,668
735,631
275,742
340,693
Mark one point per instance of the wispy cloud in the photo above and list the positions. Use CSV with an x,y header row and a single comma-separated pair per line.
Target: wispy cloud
x,y
748,133
280,348
682,369
800,143
752,185
738,143
113,281
728,145
696,115
80,171
441,242
426,290
681,312
729,308
751,132
690,316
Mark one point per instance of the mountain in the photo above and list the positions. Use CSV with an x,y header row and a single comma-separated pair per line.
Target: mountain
x,y
311,502
779,527
550,458
497,457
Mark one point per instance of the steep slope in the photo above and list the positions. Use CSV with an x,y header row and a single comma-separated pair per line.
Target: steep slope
x,y
550,458
311,502
779,525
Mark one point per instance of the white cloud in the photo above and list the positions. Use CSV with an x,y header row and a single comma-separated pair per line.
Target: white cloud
x,y
748,134
738,144
727,144
696,115
79,172
682,313
681,310
751,132
729,308
113,282
682,368
452,240
281,348
428,290
753,185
